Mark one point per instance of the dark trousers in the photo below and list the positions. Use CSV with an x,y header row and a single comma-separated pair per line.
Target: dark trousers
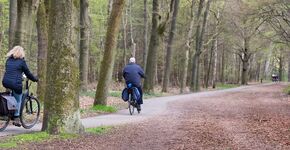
x,y
141,95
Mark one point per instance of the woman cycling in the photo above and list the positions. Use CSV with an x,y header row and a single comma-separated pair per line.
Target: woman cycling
x,y
14,68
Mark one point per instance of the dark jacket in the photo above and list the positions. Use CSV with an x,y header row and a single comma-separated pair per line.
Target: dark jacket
x,y
13,74
133,73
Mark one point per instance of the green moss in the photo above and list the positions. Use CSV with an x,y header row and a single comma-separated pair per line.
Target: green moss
x,y
13,141
99,130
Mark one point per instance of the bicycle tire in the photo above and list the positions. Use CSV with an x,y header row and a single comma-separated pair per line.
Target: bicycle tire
x,y
130,105
30,112
4,122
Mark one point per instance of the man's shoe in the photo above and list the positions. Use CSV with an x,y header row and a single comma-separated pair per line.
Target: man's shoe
x,y
138,107
16,122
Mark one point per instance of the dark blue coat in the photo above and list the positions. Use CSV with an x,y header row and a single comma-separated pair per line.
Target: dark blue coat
x,y
13,74
133,73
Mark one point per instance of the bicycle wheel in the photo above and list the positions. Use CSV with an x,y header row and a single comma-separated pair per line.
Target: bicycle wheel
x,y
131,105
30,112
4,121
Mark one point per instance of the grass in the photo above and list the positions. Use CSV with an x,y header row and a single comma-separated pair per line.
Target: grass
x,y
221,86
99,130
287,90
13,141
103,108
100,108
150,95
92,93
38,137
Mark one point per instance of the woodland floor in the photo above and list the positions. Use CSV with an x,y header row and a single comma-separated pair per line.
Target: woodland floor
x,y
255,117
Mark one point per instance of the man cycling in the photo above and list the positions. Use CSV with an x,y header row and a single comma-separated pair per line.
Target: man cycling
x,y
133,73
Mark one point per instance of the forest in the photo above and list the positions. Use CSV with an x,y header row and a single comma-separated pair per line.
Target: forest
x,y
186,45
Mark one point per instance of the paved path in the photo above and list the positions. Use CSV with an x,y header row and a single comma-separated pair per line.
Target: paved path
x,y
151,108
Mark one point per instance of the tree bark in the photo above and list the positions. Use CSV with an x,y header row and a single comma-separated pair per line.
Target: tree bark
x,y
42,34
169,47
1,30
133,44
84,43
145,35
12,21
280,66
245,61
288,67
152,51
199,44
187,47
62,91
26,14
124,22
222,72
215,49
109,55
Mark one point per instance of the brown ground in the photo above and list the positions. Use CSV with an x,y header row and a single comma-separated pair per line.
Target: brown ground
x,y
251,118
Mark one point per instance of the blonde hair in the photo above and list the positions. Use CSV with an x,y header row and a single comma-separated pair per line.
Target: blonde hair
x,y
16,52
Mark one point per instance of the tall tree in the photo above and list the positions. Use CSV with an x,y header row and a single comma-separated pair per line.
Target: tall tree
x,y
12,21
84,43
26,14
133,44
187,49
62,104
145,34
109,55
200,30
169,47
42,34
152,51
215,49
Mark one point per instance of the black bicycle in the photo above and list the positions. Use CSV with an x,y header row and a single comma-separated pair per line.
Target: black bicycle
x,y
132,103
29,110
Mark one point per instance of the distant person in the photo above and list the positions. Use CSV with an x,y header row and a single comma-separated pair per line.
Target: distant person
x,y
275,78
133,73
14,68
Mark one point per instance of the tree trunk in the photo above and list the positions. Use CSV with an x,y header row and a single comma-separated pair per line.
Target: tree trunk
x,y
1,30
214,77
280,67
199,43
110,6
245,61
42,34
169,48
222,74
12,21
209,65
26,13
288,68
133,44
152,51
187,47
124,22
145,35
215,49
84,43
62,89
109,55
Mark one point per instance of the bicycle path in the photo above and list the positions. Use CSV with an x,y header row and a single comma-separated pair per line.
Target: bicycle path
x,y
150,108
